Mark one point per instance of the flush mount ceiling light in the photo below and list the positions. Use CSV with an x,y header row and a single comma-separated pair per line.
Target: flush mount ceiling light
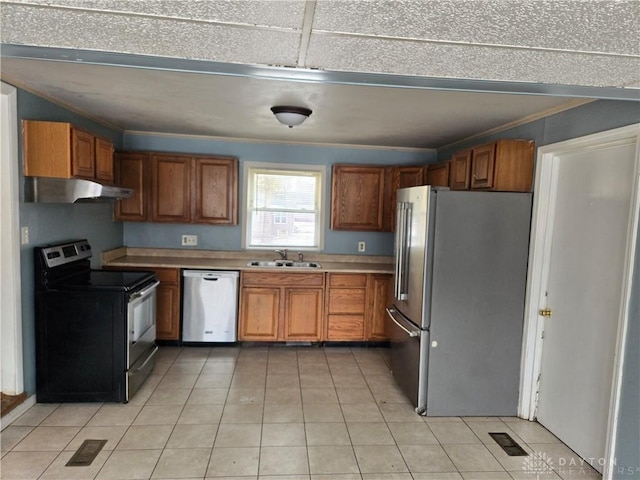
x,y
291,116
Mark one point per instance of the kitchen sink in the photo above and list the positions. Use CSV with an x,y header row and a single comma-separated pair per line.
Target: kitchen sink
x,y
283,263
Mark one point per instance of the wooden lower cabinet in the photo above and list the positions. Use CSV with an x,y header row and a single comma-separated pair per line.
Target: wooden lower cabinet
x,y
378,299
168,304
281,306
355,306
303,314
259,314
345,306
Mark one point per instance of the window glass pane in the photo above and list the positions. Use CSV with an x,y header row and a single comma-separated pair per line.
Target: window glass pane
x,y
283,208
286,229
284,191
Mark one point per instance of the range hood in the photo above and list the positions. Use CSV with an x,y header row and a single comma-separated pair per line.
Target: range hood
x,y
71,190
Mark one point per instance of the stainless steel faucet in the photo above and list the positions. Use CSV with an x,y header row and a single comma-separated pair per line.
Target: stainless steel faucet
x,y
300,256
282,253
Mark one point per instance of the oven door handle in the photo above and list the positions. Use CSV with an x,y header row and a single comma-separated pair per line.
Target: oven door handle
x,y
145,292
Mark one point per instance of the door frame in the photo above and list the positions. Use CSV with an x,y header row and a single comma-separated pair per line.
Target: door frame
x,y
539,254
12,381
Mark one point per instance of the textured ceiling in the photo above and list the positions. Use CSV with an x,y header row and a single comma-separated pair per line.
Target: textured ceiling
x,y
589,48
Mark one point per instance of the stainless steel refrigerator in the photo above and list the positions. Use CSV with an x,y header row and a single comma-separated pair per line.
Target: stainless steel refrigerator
x,y
458,310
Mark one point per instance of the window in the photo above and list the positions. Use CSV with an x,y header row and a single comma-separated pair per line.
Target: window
x,y
284,206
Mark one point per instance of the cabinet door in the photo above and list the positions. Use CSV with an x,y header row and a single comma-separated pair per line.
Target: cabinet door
x,y
438,174
171,189
408,176
46,149
104,160
402,177
82,154
482,166
303,314
168,312
216,191
131,172
460,170
378,289
168,304
357,198
259,314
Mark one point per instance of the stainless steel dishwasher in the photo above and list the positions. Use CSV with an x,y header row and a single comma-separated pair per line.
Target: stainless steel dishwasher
x,y
210,306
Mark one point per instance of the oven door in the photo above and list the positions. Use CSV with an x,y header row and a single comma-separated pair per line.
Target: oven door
x,y
141,322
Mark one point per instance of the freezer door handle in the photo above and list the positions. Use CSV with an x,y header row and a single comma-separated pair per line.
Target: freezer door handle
x,y
412,333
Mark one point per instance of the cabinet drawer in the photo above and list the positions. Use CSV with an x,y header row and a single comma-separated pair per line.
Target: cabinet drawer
x,y
345,327
347,280
347,300
259,279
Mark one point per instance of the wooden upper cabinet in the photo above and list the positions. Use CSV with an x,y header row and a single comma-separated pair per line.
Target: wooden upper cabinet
x,y
460,170
60,150
171,188
408,176
216,191
401,177
132,171
438,174
105,169
357,197
178,188
83,154
504,165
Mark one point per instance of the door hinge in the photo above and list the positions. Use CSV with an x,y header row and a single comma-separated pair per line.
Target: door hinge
x,y
542,334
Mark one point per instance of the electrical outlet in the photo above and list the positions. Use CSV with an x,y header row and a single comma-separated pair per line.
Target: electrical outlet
x,y
189,240
24,235
361,246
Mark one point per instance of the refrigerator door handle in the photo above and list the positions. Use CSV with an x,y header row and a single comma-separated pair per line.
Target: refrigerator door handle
x,y
402,254
391,312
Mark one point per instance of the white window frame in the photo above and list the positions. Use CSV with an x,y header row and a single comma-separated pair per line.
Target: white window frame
x,y
287,167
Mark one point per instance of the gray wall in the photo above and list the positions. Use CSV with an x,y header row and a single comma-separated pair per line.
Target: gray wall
x,y
584,120
55,222
230,237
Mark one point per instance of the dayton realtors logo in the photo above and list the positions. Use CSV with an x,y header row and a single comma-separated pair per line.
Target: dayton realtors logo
x,y
539,464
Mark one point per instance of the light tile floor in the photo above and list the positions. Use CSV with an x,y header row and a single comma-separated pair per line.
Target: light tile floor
x,y
275,413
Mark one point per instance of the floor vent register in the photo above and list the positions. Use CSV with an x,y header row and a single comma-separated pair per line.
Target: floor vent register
x,y
86,454
508,444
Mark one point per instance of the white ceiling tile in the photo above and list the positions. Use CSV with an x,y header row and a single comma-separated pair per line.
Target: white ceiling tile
x,y
599,26
275,13
147,36
346,53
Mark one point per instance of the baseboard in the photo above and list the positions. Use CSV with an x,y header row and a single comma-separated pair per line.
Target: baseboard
x,y
10,417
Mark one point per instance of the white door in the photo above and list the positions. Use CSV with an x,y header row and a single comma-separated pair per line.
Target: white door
x,y
594,198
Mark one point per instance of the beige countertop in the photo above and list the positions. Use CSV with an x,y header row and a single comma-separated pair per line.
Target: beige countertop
x,y
128,257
